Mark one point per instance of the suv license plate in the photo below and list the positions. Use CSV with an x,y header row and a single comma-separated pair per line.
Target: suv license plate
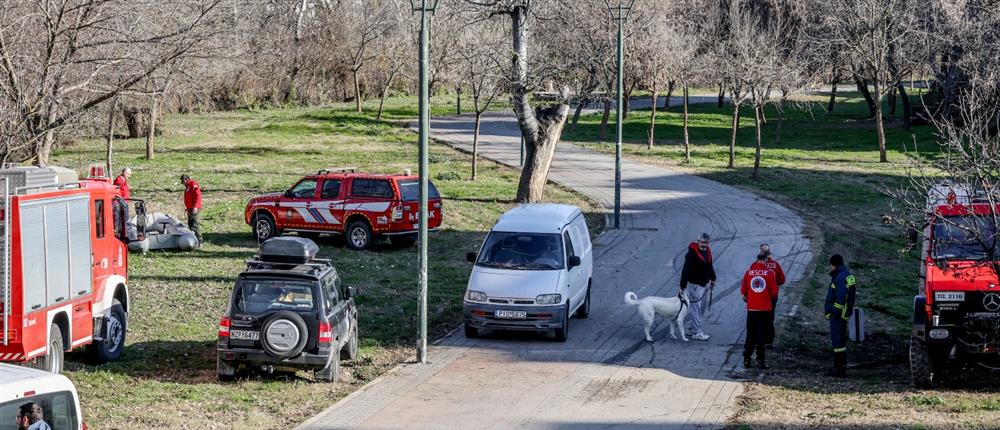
x,y
949,296
244,335
511,315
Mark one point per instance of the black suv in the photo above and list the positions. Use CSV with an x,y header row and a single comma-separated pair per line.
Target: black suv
x,y
288,311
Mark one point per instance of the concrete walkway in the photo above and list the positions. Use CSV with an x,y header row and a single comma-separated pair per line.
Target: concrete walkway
x,y
606,375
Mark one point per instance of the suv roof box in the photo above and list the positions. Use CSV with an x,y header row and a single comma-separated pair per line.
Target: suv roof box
x,y
288,250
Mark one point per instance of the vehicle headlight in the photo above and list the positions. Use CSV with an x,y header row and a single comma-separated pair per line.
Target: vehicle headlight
x,y
475,296
548,299
938,333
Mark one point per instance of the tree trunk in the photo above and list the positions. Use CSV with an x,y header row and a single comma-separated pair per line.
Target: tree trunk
x,y
907,108
687,141
626,106
458,100
153,108
475,146
43,149
833,97
542,127
880,130
381,102
357,90
722,96
111,135
756,157
670,93
732,140
863,89
652,120
603,134
892,101
576,114
781,119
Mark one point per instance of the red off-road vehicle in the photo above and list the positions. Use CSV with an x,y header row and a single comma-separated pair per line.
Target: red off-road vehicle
x,y
360,206
956,313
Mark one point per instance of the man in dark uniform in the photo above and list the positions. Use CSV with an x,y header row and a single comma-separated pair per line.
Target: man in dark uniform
x,y
192,203
839,307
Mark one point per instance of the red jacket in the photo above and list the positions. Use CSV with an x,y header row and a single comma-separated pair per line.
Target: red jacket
x,y
192,195
759,287
122,184
779,274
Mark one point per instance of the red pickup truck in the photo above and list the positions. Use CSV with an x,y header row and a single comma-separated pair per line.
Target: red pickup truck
x,y
360,206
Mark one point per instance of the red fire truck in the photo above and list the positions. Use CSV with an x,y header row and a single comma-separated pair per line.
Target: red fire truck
x,y
64,267
957,308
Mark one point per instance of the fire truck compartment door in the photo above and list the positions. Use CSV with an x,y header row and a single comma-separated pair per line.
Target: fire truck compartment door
x,y
55,250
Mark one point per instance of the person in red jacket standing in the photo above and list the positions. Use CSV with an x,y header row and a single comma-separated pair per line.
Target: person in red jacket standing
x,y
192,203
759,289
121,181
779,276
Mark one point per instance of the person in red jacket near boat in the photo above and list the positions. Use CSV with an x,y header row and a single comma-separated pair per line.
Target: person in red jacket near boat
x,y
192,203
759,289
121,181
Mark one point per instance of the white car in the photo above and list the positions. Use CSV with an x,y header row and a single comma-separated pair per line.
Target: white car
x,y
533,272
54,393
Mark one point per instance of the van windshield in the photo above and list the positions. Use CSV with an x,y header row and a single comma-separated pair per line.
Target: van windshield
x,y
409,190
965,238
256,296
522,251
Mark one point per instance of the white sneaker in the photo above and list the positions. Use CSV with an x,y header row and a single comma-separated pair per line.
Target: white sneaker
x,y
700,336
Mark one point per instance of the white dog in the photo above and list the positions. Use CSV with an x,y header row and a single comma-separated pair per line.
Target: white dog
x,y
673,309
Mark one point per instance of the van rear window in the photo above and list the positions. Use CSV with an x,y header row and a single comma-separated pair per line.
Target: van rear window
x,y
409,190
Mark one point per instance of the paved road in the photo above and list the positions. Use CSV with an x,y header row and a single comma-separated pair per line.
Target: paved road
x,y
606,375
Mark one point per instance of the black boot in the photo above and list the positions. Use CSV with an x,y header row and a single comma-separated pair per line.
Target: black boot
x,y
746,362
839,369
762,365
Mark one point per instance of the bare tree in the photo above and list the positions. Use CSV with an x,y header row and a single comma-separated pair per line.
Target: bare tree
x,y
482,57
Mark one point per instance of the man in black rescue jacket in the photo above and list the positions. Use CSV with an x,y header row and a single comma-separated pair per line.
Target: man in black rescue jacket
x,y
698,270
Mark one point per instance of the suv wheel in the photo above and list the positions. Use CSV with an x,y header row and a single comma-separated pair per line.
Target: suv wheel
x,y
350,350
113,345
331,372
263,227
359,235
284,334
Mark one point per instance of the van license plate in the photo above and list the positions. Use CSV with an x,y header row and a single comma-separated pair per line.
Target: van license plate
x,y
511,315
949,296
244,335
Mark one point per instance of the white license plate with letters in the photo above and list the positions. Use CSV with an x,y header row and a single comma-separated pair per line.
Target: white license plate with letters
x,y
244,335
510,315
949,296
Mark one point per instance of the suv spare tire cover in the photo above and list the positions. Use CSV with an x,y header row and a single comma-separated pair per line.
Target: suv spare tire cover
x,y
284,334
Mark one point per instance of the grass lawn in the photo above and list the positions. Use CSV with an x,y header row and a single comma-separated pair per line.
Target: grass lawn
x,y
827,170
167,378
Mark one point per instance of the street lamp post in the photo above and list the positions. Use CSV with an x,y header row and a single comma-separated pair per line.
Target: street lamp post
x,y
423,6
619,13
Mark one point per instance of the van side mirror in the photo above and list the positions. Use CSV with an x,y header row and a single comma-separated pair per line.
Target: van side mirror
x,y
470,257
288,194
913,236
574,261
351,292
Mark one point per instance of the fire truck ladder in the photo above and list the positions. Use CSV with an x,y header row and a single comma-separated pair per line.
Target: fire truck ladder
x,y
5,263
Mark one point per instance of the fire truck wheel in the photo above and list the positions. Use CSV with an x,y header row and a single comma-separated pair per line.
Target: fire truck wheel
x,y
350,350
359,235
53,360
920,364
113,345
263,227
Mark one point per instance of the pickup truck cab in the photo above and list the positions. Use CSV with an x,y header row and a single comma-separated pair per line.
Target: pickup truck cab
x,y
360,206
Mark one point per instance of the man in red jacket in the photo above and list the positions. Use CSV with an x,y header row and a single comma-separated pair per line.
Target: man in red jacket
x,y
779,276
192,203
759,289
121,181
